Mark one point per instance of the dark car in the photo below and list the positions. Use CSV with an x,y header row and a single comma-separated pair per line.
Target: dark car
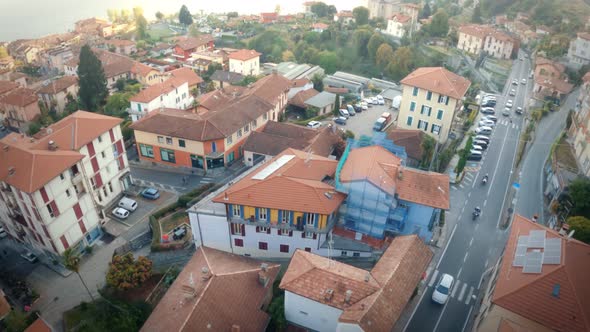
x,y
340,120
357,108
489,103
150,193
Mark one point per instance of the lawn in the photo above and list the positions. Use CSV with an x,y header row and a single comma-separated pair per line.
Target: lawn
x,y
173,221
565,156
160,31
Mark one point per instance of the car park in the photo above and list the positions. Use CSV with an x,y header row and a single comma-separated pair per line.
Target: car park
x,y
513,92
482,138
506,112
523,81
491,118
350,110
150,193
120,213
127,204
483,144
364,106
487,110
344,113
29,256
483,131
443,289
340,120
487,123
518,110
490,103
509,103
314,124
475,155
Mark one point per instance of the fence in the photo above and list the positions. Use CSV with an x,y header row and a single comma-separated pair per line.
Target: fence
x,y
136,243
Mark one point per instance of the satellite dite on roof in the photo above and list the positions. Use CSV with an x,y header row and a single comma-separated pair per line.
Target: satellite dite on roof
x,y
275,165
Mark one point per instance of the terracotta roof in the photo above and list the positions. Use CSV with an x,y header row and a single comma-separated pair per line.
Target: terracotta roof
x,y
230,295
586,77
58,85
344,13
300,180
189,43
439,80
39,325
299,82
32,161
338,91
300,97
479,31
401,18
7,86
530,294
373,242
382,168
154,91
378,297
584,35
4,305
120,42
19,97
244,55
554,83
319,26
188,75
214,99
141,69
540,61
410,139
270,88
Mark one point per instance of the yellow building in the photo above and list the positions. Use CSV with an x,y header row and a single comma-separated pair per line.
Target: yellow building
x,y
430,97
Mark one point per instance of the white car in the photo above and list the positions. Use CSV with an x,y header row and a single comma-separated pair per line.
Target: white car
x,y
509,103
512,92
490,117
486,123
523,81
120,213
364,106
127,204
443,289
314,124
476,147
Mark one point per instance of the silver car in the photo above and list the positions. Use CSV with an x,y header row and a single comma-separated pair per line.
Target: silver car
x,y
120,213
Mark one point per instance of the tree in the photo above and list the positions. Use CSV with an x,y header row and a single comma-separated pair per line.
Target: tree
x,y
184,16
426,12
336,105
71,262
402,63
384,55
16,321
374,42
125,272
320,9
113,15
159,15
327,60
428,144
318,82
360,39
116,104
120,84
579,191
125,16
278,9
581,226
476,16
141,27
440,24
137,12
361,15
193,30
288,56
92,81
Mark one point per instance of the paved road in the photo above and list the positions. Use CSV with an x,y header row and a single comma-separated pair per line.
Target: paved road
x,y
530,196
474,246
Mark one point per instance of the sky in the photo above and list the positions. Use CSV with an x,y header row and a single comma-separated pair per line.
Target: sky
x,y
36,18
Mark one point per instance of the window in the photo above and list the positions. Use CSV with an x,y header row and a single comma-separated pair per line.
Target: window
x,y
238,242
236,210
181,143
422,125
415,92
167,155
344,253
110,187
308,235
62,177
284,232
103,155
284,248
412,106
439,115
262,245
239,133
146,150
254,124
68,193
262,212
50,210
104,190
247,128
236,229
308,249
310,221
356,254
261,229
160,139
285,217
229,139
99,138
429,95
426,110
93,183
169,140
409,121
435,129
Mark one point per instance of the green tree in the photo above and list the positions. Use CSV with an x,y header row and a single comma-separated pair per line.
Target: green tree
x,y
440,24
374,42
384,55
92,81
318,82
428,144
116,104
159,15
327,60
426,12
193,30
71,262
184,16
320,9
476,15
402,63
579,192
125,16
361,15
125,272
360,39
141,27
581,226
16,321
137,12
336,105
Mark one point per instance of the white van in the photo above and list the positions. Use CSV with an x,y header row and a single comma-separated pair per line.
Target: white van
x,y
128,204
483,131
475,155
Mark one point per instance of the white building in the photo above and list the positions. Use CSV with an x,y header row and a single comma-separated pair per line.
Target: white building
x,y
245,62
56,185
578,53
398,25
475,38
326,295
172,93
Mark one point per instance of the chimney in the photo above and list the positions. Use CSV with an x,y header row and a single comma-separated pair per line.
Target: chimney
x,y
328,294
367,277
52,146
205,275
225,198
235,328
347,296
400,174
264,267
263,278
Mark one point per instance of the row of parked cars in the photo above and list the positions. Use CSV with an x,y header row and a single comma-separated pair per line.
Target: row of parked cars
x,y
481,140
350,110
127,205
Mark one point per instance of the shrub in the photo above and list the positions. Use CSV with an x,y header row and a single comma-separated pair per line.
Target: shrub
x,y
164,211
125,272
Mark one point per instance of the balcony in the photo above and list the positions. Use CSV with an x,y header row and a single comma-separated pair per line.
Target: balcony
x,y
301,228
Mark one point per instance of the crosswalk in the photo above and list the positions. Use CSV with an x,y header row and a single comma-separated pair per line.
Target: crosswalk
x,y
461,292
507,122
470,173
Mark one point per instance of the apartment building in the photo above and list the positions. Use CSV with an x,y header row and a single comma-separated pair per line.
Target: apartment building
x,y
475,39
172,93
538,284
550,80
383,8
430,98
285,204
57,93
398,25
578,53
19,108
56,185
245,62
579,131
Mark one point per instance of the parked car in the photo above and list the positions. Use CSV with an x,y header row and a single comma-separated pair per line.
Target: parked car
x,y
443,289
344,113
364,106
514,82
523,81
509,103
475,147
490,103
483,131
487,110
150,193
380,100
128,204
340,120
506,112
314,124
2,128
487,123
357,108
491,118
2,232
518,110
475,155
512,92
29,256
482,138
483,144
120,213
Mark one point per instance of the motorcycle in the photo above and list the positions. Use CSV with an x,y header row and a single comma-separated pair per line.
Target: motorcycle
x,y
476,213
484,181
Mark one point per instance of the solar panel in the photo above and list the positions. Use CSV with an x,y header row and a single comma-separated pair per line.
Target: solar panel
x,y
533,262
274,166
537,239
521,247
552,253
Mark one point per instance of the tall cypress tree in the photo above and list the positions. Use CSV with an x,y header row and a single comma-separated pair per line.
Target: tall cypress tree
x,y
93,83
184,16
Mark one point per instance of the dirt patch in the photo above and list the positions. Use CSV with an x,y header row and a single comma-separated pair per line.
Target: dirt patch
x,y
565,156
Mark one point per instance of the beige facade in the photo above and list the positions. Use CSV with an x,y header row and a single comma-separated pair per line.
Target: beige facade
x,y
246,67
580,130
475,38
470,43
59,100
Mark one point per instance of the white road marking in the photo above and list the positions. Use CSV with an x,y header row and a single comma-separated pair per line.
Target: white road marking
x,y
476,226
467,319
462,292
465,257
455,288
454,188
447,246
433,279
469,195
497,163
485,202
442,313
469,176
487,262
461,185
469,295
459,273
471,242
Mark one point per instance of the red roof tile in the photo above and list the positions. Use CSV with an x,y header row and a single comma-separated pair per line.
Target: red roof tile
x,y
7,86
19,97
300,97
410,139
189,43
58,85
154,91
188,75
39,325
244,55
439,80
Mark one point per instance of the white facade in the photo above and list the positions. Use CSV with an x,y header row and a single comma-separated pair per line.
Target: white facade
x,y
469,43
247,67
311,314
179,98
578,53
395,28
500,48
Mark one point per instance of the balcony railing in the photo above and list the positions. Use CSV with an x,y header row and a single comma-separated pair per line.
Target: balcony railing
x,y
299,227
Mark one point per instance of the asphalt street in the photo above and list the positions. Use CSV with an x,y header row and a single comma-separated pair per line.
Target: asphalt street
x,y
474,245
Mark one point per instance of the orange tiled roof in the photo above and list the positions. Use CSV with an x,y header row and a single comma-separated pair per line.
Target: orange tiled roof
x,y
7,86
382,168
299,82
19,97
300,97
39,325
189,43
141,69
320,26
584,35
530,294
410,139
230,295
295,186
58,85
244,55
439,80
480,31
120,42
154,91
554,83
270,87
401,18
187,75
378,297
